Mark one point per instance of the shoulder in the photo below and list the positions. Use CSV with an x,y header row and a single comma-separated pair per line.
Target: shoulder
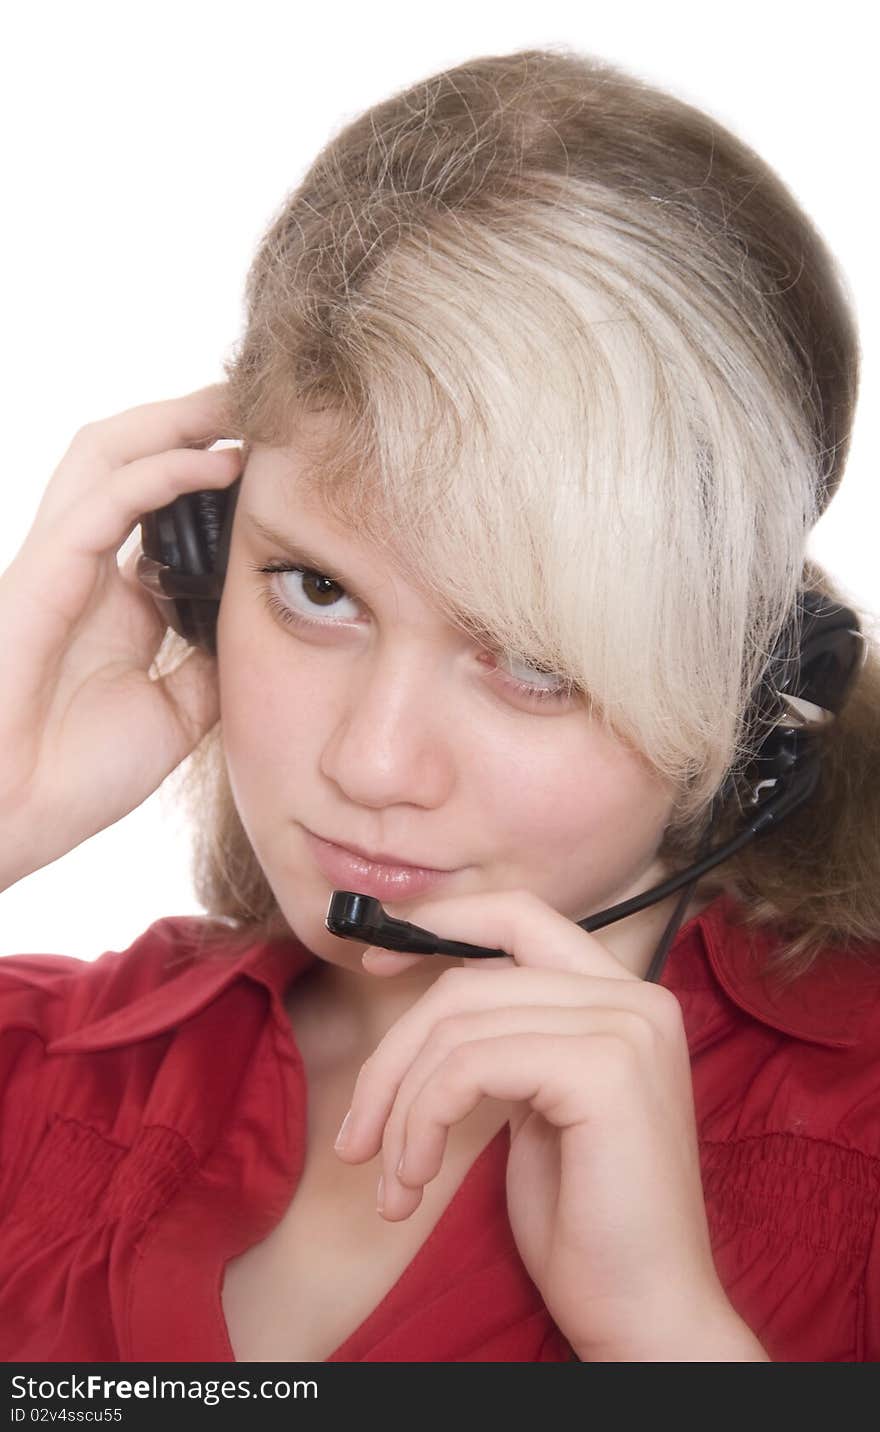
x,y
53,995
45,998
779,1056
82,1071
786,1080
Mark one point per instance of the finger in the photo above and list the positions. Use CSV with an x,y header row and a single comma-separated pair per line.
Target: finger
x,y
401,1127
147,485
460,993
377,961
519,922
191,689
87,507
198,418
545,1071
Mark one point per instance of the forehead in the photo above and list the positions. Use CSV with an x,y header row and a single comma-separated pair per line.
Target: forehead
x,y
290,489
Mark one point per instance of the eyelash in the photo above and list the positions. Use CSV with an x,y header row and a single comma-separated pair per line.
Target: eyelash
x,y
293,618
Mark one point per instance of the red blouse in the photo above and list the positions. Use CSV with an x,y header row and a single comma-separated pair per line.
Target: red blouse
x,y
152,1110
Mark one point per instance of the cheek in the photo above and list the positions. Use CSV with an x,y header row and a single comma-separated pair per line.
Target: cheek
x,y
580,794
267,710
272,719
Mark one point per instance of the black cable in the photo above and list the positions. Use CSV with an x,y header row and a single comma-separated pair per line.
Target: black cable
x,y
658,959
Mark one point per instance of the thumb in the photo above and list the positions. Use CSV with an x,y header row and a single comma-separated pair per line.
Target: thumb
x,y
192,690
377,961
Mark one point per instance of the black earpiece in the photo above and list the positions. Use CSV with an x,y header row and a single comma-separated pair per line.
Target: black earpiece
x,y
185,551
815,661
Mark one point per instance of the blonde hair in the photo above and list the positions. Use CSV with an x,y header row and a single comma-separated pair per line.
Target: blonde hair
x,y
593,374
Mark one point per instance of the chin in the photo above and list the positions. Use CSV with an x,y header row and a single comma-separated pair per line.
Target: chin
x,y
313,933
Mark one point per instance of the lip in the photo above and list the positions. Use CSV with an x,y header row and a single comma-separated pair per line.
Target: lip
x,y
348,870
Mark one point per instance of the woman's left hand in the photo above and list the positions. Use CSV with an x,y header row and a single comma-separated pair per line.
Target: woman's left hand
x,y
604,1194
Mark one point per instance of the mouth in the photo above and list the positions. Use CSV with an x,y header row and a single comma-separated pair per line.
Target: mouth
x,y
380,857
349,869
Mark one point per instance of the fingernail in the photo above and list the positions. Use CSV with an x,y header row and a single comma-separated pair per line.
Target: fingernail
x,y
342,1136
380,1194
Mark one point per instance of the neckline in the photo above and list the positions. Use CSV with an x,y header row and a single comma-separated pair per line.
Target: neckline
x,y
494,1152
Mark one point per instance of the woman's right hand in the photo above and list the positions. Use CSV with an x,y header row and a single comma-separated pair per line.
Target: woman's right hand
x,y
86,734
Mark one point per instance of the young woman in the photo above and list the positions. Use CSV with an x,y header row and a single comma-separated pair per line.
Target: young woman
x,y
545,380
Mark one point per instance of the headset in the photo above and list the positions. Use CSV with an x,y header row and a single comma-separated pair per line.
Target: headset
x,y
810,672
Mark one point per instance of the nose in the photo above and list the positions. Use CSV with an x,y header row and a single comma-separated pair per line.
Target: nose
x,y
393,741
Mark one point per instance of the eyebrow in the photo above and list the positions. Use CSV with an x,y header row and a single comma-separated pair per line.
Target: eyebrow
x,y
298,552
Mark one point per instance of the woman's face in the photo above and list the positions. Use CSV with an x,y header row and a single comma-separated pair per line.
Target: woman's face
x,y
368,719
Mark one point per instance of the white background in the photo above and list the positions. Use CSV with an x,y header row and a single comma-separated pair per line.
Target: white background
x,y
146,147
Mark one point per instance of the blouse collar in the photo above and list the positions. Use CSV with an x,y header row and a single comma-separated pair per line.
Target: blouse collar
x,y
715,953
830,1004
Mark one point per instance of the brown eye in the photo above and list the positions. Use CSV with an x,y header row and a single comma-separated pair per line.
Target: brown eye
x,y
314,585
293,593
